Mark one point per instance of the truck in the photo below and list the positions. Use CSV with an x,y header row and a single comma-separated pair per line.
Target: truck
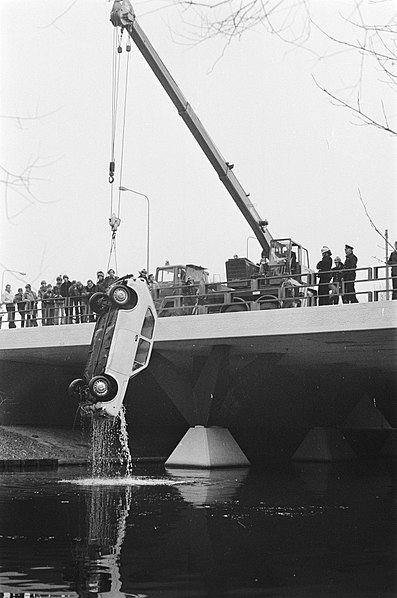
x,y
283,276
283,280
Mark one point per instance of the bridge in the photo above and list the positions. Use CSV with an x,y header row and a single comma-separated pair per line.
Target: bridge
x,y
273,378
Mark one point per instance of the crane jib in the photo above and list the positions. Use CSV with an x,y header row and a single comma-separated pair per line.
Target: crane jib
x,y
122,15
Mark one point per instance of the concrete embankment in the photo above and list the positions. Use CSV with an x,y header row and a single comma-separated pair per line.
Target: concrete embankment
x,y
32,446
36,447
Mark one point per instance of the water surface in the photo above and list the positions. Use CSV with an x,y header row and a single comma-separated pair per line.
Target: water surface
x,y
303,530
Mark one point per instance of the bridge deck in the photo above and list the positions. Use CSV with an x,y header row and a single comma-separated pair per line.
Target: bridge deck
x,y
361,334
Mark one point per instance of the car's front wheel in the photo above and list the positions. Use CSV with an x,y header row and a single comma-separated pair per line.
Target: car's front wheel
x,y
103,388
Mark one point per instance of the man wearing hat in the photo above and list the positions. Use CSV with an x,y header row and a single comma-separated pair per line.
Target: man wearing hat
x,y
110,278
100,283
349,276
324,274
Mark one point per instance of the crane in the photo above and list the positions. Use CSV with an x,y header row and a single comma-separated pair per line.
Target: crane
x,y
122,15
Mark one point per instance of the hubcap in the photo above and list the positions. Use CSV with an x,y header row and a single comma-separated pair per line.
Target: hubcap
x,y
121,295
101,387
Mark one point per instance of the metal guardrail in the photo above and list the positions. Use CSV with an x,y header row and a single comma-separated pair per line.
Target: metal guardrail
x,y
300,290
305,287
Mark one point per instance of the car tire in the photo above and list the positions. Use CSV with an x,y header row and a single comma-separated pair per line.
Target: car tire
x,y
237,304
103,388
123,297
76,387
99,302
268,302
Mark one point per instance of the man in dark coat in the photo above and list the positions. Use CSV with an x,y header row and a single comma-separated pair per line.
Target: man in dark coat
x,y
392,261
349,275
324,274
100,283
65,292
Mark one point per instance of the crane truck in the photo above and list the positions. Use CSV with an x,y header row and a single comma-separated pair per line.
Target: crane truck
x,y
283,277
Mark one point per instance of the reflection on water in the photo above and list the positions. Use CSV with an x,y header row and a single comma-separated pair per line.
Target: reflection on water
x,y
306,530
96,550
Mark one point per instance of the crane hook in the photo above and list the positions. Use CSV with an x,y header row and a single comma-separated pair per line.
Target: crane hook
x,y
111,171
114,222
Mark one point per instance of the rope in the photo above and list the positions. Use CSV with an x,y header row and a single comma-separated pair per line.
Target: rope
x,y
123,127
115,90
114,219
113,250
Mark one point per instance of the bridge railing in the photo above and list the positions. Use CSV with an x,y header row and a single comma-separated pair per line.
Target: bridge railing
x,y
259,293
274,292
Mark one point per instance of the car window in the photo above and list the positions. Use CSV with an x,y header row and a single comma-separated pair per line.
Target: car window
x,y
141,354
148,324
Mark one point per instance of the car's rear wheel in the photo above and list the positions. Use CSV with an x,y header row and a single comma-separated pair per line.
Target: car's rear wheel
x,y
123,297
99,302
103,388
76,389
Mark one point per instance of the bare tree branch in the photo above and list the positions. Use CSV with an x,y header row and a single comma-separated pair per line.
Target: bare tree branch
x,y
371,221
368,120
292,21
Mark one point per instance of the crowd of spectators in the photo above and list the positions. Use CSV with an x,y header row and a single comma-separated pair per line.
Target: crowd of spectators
x,y
64,302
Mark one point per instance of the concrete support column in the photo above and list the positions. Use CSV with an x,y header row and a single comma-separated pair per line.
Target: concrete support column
x,y
324,444
207,448
203,445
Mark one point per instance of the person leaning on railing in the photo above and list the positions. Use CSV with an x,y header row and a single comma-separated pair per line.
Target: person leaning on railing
x,y
30,299
7,297
21,306
80,303
65,286
392,261
59,310
336,282
48,301
40,293
90,289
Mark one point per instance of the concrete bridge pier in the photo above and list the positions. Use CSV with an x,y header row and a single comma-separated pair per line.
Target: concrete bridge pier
x,y
364,432
203,445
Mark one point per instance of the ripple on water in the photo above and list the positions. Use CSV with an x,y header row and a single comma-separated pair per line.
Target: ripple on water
x,y
126,481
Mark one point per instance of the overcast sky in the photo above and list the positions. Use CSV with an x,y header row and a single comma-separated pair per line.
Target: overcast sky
x,y
301,158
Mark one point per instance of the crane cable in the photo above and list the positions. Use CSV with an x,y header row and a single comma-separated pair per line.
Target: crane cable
x,y
114,219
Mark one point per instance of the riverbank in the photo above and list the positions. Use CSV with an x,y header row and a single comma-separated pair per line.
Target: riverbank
x,y
35,447
19,443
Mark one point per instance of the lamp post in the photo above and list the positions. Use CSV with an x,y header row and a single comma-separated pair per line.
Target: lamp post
x,y
248,238
12,271
121,188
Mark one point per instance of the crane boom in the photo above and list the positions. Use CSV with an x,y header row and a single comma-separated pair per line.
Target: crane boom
x,y
122,15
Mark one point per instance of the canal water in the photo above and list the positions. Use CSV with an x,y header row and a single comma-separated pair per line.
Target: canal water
x,y
301,530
